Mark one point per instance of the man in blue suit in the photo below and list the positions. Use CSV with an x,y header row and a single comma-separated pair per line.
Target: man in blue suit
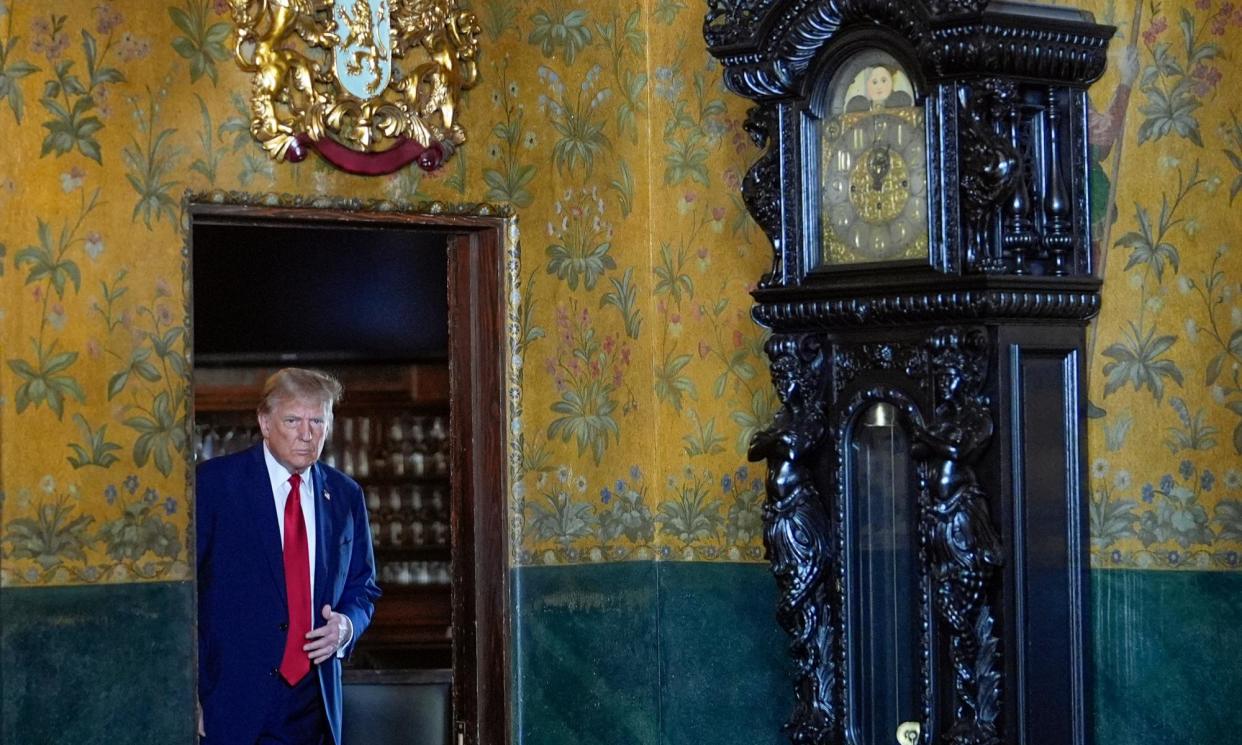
x,y
286,575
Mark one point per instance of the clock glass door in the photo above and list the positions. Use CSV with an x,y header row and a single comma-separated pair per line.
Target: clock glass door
x,y
873,165
882,579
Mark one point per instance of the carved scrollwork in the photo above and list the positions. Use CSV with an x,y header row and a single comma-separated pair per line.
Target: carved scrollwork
x,y
768,56
849,361
761,187
730,21
798,531
965,550
957,7
1021,49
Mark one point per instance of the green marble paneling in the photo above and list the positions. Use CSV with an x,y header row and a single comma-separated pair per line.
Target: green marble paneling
x,y
1168,657
725,673
585,655
97,664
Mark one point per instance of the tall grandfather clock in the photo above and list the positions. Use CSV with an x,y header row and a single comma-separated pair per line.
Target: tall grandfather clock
x,y
924,186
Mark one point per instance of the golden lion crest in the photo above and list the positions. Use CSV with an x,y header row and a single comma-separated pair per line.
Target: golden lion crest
x,y
392,98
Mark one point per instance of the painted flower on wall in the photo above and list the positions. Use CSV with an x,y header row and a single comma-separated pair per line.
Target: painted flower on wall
x,y
624,513
1179,516
559,515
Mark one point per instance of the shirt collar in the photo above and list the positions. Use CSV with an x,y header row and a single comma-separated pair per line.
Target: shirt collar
x,y
277,473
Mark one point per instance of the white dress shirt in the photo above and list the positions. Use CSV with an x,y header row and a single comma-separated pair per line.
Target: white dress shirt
x,y
279,476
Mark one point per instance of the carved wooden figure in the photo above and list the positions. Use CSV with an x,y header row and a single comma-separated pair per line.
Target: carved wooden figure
x,y
924,186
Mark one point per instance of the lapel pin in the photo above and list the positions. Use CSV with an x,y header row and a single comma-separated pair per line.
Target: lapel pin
x,y
326,495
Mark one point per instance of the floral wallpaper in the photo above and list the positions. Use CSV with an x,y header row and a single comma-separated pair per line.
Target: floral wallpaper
x,y
606,127
1165,353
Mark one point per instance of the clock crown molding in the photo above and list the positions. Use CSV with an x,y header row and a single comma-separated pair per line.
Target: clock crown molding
x,y
976,299
768,50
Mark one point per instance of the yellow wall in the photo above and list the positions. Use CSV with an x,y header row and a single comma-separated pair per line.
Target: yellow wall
x,y
606,126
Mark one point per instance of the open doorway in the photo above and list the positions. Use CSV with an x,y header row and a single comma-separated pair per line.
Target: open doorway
x,y
408,310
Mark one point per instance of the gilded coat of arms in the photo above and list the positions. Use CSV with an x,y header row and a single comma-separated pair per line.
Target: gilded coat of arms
x,y
371,84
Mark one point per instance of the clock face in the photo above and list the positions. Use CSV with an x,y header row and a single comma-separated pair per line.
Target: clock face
x,y
874,173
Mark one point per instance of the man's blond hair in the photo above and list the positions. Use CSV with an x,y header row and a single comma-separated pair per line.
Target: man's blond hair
x,y
294,382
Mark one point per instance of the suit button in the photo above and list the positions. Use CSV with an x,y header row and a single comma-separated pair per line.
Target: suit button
x,y
283,626
274,672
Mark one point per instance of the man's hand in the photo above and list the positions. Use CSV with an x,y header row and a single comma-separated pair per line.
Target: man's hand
x,y
325,640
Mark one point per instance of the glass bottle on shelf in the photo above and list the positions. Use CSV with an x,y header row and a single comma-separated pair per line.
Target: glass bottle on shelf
x,y
438,433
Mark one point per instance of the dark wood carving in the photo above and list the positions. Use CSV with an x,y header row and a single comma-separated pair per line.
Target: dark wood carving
x,y
965,549
761,188
989,166
1010,166
1007,281
851,361
798,531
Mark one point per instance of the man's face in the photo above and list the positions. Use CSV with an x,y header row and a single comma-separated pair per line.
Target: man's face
x,y
295,430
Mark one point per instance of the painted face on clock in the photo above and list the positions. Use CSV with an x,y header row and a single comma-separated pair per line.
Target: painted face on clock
x,y
879,84
874,171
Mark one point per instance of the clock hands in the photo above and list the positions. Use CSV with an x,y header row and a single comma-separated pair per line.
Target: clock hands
x,y
879,163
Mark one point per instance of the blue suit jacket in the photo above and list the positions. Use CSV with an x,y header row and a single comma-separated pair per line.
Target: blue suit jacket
x,y
242,610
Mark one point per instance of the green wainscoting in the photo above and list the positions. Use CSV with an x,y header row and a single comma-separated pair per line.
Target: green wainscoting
x,y
644,653
97,664
679,653
1168,657
585,646
636,653
725,672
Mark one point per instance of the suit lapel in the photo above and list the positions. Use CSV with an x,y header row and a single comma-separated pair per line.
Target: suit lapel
x,y
323,530
262,504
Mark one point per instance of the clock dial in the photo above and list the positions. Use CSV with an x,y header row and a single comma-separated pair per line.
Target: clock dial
x,y
874,186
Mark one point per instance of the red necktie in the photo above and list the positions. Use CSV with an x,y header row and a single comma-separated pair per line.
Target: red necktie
x,y
295,663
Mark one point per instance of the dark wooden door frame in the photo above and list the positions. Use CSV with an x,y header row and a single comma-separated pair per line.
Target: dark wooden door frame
x,y
477,293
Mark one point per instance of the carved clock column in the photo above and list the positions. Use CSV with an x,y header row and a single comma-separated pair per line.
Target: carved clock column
x,y
924,186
